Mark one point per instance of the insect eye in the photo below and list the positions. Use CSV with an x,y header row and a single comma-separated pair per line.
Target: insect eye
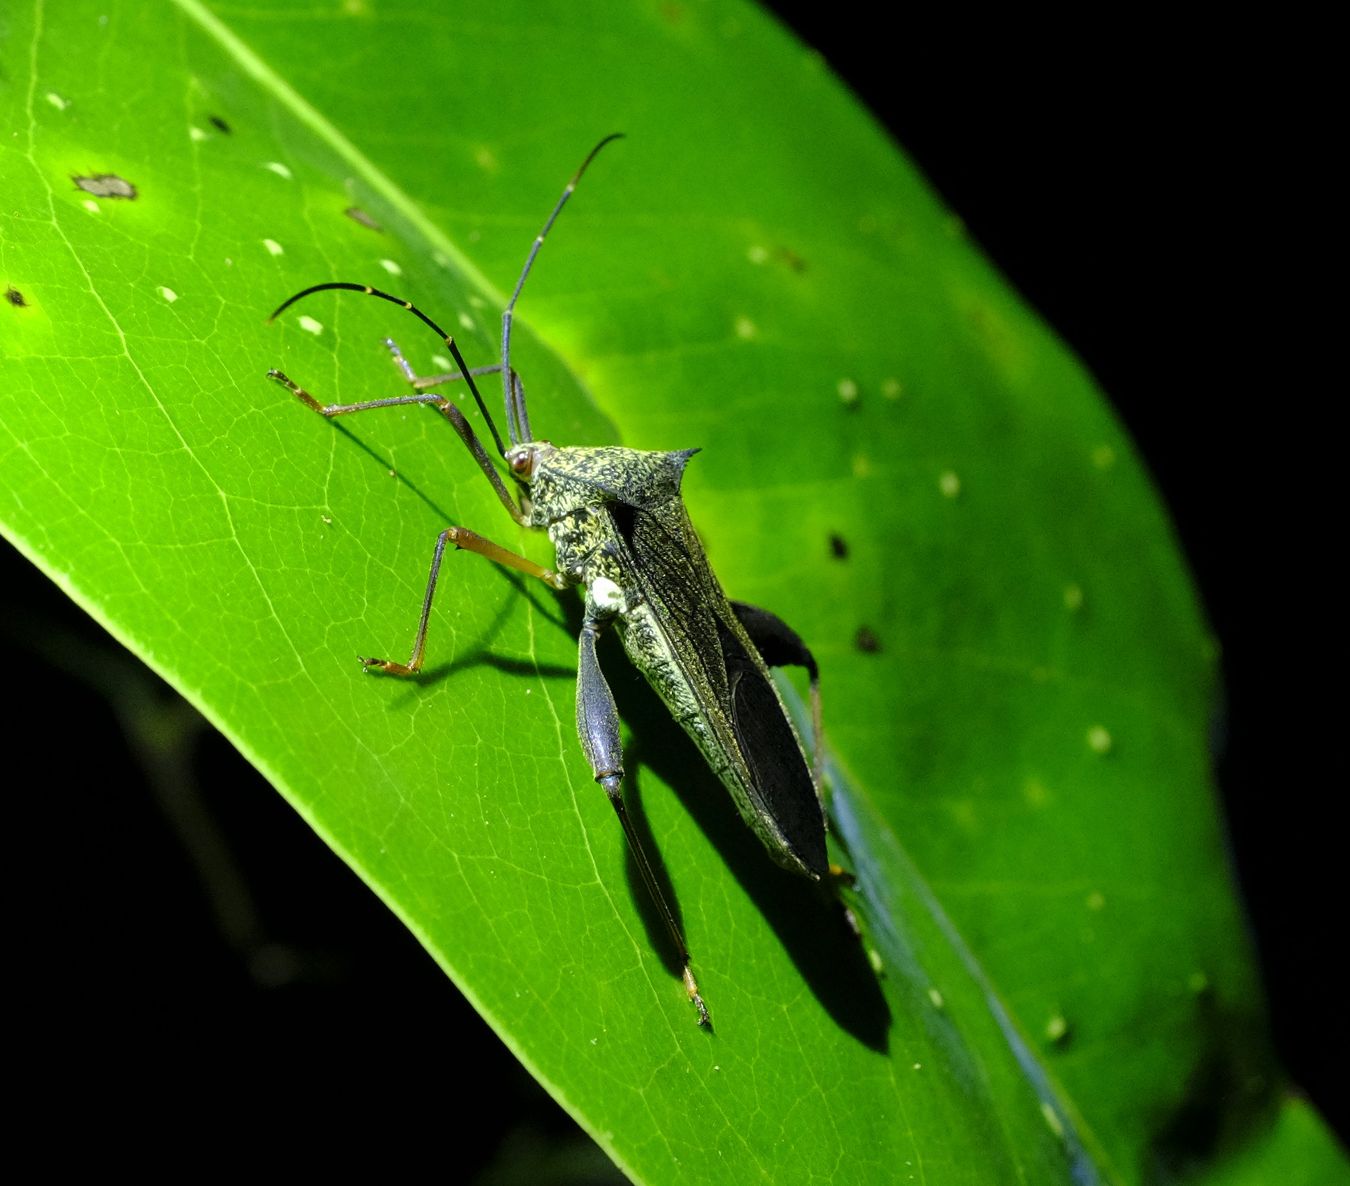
x,y
522,464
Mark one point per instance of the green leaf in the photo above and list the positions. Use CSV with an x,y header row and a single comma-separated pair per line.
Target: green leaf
x,y
898,458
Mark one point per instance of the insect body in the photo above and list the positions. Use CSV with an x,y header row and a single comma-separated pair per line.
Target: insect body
x,y
620,529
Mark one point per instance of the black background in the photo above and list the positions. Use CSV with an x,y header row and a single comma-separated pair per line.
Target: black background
x,y
1137,185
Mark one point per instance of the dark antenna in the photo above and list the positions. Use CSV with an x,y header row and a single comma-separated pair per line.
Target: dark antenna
x,y
449,341
517,419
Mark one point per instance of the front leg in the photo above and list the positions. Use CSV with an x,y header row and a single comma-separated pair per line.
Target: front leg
x,y
442,405
516,415
598,729
423,382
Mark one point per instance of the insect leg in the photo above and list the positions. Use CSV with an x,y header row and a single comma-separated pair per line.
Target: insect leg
x,y
470,541
423,382
598,729
464,369
441,404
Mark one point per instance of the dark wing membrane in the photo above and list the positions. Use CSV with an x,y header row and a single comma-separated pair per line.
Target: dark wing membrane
x,y
782,782
719,660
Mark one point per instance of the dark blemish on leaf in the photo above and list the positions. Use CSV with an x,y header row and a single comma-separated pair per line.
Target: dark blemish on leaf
x,y
838,546
356,214
220,125
792,259
867,641
106,185
15,297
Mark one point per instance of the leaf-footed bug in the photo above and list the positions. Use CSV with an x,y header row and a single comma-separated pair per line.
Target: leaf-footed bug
x,y
620,529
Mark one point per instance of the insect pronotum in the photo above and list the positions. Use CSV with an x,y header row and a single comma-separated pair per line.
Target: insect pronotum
x,y
620,530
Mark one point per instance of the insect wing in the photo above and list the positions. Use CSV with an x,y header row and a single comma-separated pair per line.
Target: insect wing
x,y
740,722
780,780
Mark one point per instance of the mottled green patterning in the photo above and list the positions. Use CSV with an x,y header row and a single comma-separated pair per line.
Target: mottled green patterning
x,y
619,525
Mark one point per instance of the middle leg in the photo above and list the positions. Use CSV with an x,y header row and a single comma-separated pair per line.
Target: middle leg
x,y
470,541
